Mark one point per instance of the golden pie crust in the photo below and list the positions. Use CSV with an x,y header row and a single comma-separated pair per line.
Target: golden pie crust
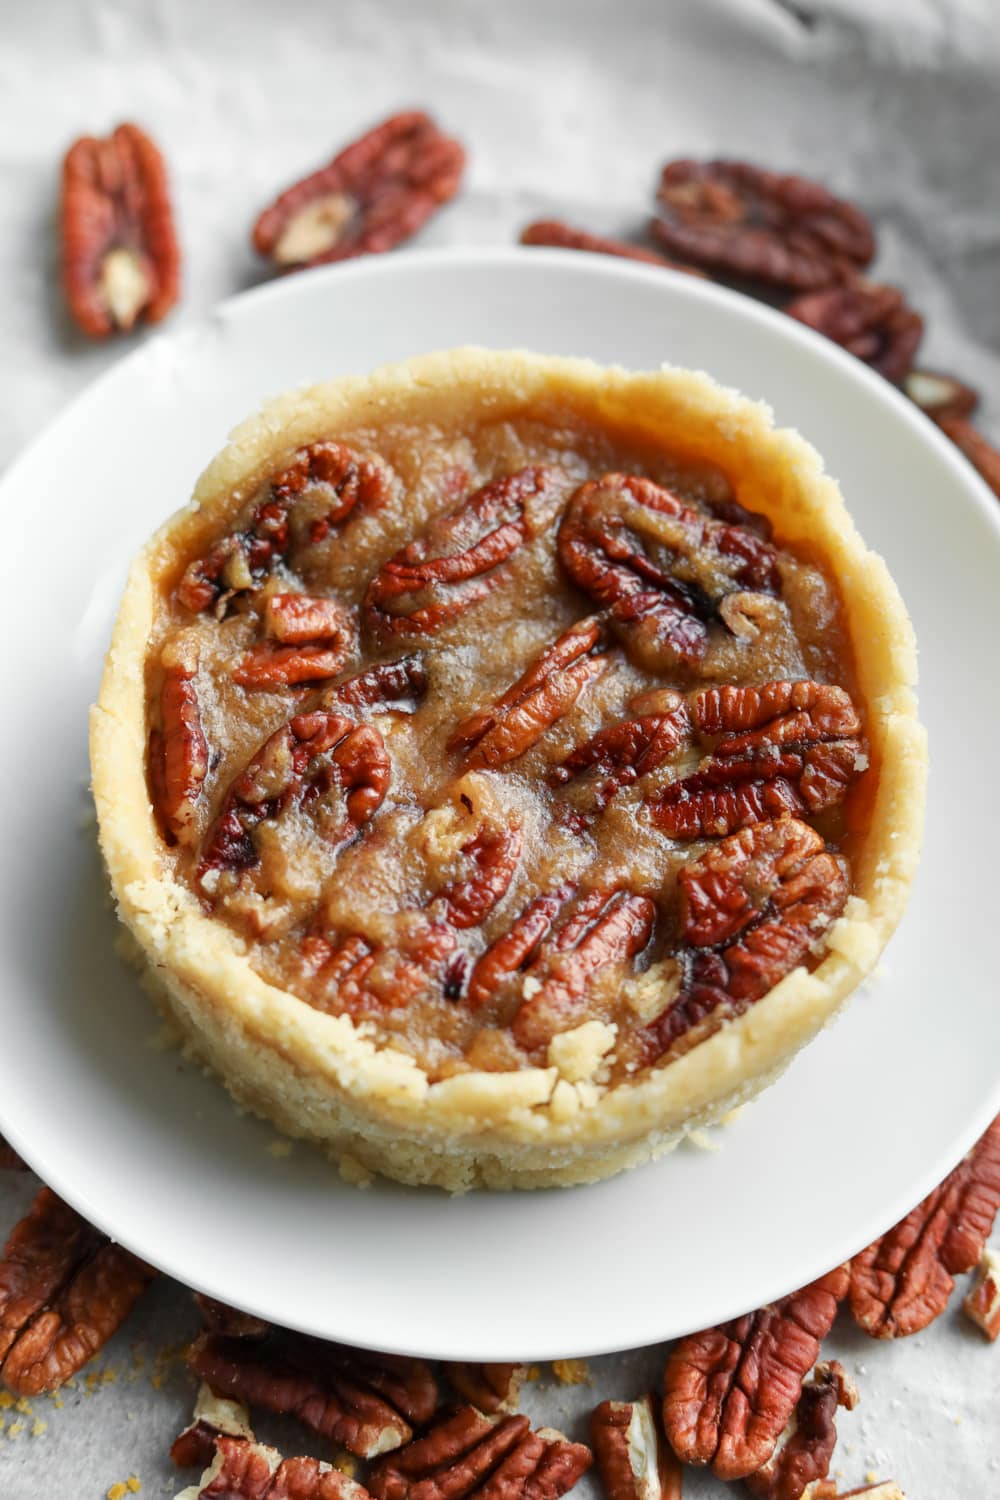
x,y
325,1078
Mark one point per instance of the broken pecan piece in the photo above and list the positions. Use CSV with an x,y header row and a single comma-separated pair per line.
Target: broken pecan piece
x,y
730,1391
400,683
660,568
740,221
940,395
751,909
490,1387
342,968
459,558
334,480
178,751
553,232
120,257
981,454
64,1290
982,1302
243,1469
214,1417
606,928
873,322
315,636
903,1281
632,748
537,700
374,194
299,765
786,746
495,853
805,1449
493,1457
633,1460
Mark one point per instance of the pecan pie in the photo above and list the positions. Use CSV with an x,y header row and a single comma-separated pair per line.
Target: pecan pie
x,y
506,764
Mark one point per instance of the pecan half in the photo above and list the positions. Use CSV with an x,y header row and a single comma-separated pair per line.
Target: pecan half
x,y
64,1290
751,909
299,765
805,1449
632,1458
353,975
490,1387
314,637
554,232
740,221
120,257
178,750
374,194
623,752
9,1159
903,1281
940,395
494,852
873,322
981,454
730,1391
401,683
459,558
659,567
606,928
214,1417
786,746
537,700
470,1454
343,1395
514,950
982,1302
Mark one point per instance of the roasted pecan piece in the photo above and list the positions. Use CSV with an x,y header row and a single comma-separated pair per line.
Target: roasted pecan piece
x,y
120,258
9,1159
740,221
64,1290
243,1469
494,852
237,562
537,700
623,752
214,1417
353,975
564,237
606,928
330,1390
487,1456
805,1448
632,1458
459,559
940,395
298,766
982,1302
730,1391
490,1387
981,454
660,568
178,750
873,322
786,746
751,909
401,683
311,638
514,950
903,1281
376,193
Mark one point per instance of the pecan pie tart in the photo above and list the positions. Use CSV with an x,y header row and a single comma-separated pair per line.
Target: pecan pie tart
x,y
506,763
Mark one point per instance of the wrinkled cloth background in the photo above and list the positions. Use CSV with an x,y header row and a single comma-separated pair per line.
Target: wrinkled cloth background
x,y
568,109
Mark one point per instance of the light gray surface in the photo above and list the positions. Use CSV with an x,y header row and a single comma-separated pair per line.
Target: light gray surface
x,y
568,110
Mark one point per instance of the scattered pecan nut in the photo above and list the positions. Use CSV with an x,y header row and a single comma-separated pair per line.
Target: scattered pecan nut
x,y
178,750
458,560
490,1387
469,1454
730,1391
740,221
751,909
873,322
243,1469
786,746
981,454
940,395
299,765
553,232
903,1281
342,1395
214,1417
632,1458
982,1302
64,1290
660,568
538,699
120,257
374,194
805,1449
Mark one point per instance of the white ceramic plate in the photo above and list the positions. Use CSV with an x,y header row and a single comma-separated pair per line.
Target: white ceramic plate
x,y
865,1121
